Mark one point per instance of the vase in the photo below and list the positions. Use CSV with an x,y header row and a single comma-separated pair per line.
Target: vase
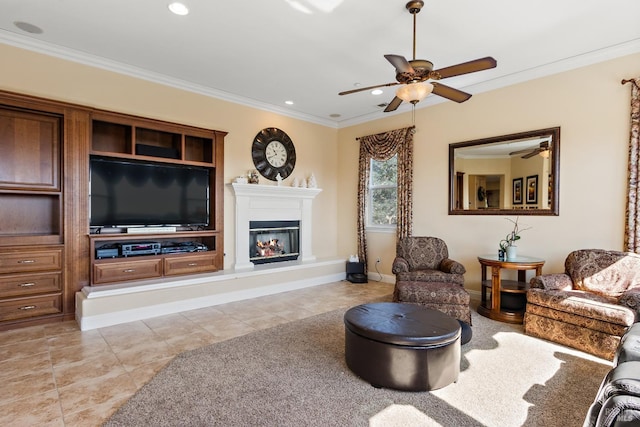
x,y
512,252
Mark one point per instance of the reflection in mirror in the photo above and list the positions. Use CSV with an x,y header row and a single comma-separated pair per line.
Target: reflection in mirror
x,y
505,175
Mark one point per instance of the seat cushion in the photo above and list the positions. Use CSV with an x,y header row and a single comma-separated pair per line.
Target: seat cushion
x,y
581,303
430,276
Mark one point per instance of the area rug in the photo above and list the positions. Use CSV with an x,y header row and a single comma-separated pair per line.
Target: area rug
x,y
295,375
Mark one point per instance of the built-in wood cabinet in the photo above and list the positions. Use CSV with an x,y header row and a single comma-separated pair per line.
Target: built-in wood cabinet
x,y
47,251
135,138
31,213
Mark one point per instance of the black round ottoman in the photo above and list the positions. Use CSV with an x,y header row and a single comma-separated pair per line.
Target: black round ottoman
x,y
402,346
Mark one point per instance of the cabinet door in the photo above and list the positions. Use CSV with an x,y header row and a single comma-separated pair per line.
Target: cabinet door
x,y
12,285
21,308
30,260
122,271
189,264
29,150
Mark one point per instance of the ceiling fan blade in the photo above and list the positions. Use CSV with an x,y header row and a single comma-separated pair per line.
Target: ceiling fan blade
x,y
467,67
531,154
393,105
544,146
347,92
526,150
400,63
449,92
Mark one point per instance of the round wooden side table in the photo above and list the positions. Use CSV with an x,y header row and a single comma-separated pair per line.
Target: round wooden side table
x,y
493,307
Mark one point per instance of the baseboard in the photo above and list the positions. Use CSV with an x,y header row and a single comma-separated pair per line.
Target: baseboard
x,y
378,277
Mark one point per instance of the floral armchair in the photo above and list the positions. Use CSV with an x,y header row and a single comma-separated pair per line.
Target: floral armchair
x,y
426,275
591,305
426,259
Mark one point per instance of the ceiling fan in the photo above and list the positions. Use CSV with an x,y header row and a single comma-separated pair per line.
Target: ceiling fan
x,y
542,148
415,73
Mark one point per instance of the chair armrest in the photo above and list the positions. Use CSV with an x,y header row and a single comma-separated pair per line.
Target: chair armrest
x,y
448,265
557,281
631,298
400,265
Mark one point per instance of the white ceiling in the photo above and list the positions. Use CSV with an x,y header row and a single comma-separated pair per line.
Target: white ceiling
x,y
264,52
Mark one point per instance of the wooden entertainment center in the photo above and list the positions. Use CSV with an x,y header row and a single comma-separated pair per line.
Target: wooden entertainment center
x,y
47,248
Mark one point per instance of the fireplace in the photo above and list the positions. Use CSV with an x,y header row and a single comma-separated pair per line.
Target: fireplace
x,y
272,203
273,241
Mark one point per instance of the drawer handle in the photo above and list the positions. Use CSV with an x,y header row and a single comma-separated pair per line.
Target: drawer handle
x,y
26,285
192,264
28,307
26,261
130,270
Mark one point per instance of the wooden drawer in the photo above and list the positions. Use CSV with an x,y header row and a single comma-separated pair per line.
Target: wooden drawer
x,y
22,308
189,264
33,260
120,271
28,284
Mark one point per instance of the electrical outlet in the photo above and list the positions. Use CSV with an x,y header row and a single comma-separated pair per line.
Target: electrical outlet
x,y
377,260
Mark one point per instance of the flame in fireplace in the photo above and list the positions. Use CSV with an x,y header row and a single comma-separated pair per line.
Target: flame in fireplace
x,y
270,247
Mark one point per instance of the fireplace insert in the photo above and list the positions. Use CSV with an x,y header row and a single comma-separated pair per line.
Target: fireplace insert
x,y
273,241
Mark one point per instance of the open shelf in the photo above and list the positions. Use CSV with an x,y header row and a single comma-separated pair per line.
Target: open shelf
x,y
119,136
121,268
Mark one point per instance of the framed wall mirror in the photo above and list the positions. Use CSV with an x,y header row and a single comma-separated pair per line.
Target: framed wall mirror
x,y
516,174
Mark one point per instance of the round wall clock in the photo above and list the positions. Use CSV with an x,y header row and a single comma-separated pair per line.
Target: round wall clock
x,y
273,153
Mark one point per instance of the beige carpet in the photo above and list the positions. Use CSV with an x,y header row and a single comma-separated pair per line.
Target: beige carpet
x,y
295,375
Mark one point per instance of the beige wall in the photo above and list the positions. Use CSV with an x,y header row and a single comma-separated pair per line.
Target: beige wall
x,y
589,104
44,76
592,109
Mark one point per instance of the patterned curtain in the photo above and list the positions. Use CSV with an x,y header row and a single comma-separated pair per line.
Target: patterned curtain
x,y
632,226
382,147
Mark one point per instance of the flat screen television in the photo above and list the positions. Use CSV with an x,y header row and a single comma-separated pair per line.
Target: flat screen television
x,y
126,193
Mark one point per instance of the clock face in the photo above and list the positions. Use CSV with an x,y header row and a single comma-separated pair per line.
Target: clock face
x,y
276,154
273,153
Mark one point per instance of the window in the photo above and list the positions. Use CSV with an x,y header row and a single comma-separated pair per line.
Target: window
x,y
383,194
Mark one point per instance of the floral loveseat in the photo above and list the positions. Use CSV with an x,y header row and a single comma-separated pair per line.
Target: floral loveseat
x,y
591,305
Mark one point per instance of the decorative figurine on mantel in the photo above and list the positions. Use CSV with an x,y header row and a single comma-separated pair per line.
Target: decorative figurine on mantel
x,y
311,182
279,179
254,178
294,183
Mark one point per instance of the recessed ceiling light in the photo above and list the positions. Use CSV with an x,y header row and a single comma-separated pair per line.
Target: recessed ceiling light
x,y
178,8
29,28
376,92
334,115
288,102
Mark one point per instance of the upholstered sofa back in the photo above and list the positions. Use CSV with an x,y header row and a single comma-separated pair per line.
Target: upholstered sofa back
x,y
604,272
422,252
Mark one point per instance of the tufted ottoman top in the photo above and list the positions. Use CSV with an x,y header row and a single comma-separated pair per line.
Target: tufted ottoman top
x,y
402,324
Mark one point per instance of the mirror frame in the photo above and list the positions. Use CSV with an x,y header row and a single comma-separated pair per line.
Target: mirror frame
x,y
555,173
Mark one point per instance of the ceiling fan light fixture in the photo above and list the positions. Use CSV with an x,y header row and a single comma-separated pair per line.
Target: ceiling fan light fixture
x,y
414,92
544,154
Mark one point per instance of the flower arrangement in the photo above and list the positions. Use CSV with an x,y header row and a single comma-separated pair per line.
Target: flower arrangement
x,y
512,236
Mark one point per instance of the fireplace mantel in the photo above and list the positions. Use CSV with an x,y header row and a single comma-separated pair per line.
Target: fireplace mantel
x,y
272,203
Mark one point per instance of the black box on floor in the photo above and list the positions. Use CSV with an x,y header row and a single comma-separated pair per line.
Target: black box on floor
x,y
355,272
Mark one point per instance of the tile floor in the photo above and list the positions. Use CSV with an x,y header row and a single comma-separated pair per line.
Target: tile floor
x,y
57,375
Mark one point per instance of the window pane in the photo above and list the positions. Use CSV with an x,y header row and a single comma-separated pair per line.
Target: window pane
x,y
384,173
384,206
